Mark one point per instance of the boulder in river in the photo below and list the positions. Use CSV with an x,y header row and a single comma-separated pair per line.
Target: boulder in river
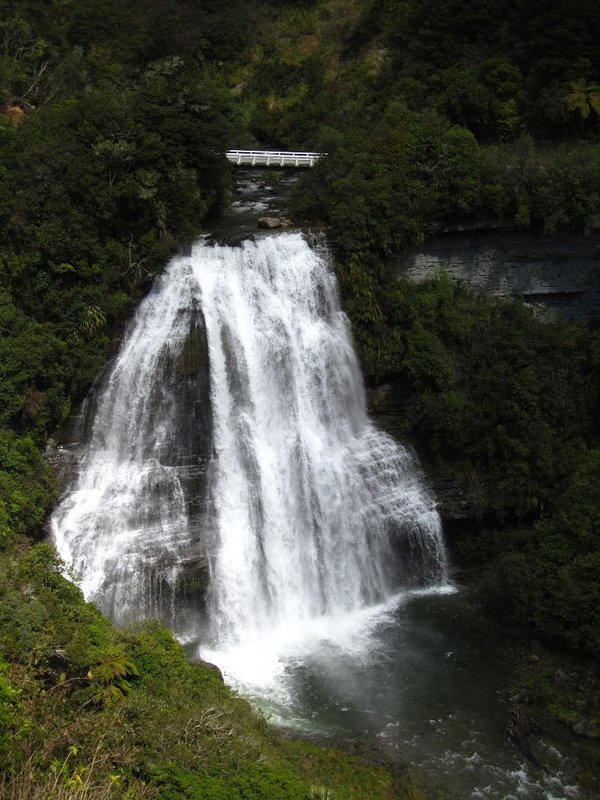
x,y
269,222
274,222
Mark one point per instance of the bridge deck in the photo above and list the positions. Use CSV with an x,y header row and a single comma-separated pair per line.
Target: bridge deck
x,y
272,158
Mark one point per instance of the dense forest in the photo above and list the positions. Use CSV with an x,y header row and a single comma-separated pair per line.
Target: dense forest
x,y
114,119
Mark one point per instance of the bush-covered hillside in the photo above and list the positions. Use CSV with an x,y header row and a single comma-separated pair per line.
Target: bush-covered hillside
x,y
433,109
113,121
112,133
90,712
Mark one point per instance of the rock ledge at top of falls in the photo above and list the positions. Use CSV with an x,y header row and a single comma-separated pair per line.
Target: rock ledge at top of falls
x,y
274,222
228,238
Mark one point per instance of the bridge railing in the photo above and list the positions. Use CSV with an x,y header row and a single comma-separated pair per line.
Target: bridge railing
x,y
272,158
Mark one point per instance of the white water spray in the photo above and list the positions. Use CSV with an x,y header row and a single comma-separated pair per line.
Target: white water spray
x,y
311,513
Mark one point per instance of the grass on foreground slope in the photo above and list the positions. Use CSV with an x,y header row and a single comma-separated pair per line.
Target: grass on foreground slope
x,y
87,711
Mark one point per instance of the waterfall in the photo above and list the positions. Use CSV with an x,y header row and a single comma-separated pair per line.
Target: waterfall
x,y
128,527
232,473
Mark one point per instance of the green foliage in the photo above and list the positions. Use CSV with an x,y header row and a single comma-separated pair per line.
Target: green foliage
x,y
378,189
178,784
26,488
494,68
379,193
583,98
257,782
495,391
44,620
91,706
118,163
110,678
425,110
9,700
550,571
543,188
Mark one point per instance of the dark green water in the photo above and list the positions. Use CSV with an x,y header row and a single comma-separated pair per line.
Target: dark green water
x,y
420,686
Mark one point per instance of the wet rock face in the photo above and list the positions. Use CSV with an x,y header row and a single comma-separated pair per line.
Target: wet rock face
x,y
190,375
559,272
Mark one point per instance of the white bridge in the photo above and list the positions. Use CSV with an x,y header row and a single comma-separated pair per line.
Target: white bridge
x,y
272,158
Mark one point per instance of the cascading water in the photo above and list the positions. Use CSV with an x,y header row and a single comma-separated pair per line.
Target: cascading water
x,y
233,486
309,512
128,526
316,512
